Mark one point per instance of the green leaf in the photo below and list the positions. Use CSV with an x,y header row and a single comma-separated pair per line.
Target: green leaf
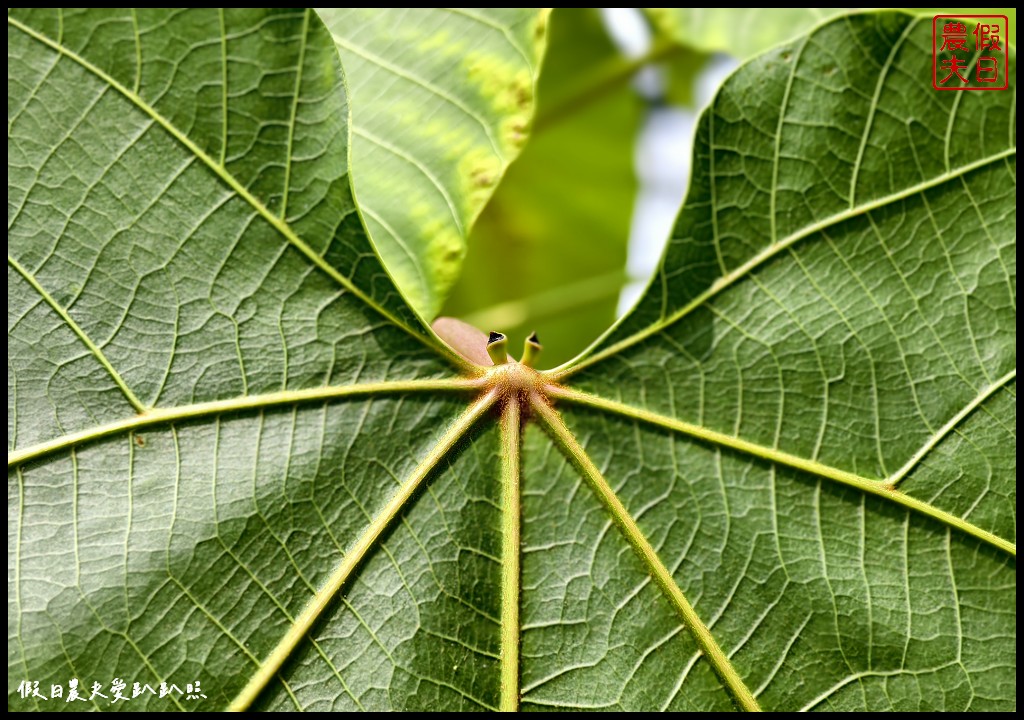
x,y
786,480
740,32
441,103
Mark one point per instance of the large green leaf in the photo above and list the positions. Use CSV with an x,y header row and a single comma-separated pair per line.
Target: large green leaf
x,y
786,479
442,98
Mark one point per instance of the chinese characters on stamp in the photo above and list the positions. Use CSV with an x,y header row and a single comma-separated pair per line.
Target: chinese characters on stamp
x,y
969,52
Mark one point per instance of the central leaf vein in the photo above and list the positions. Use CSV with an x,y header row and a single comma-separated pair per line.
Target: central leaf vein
x,y
661,575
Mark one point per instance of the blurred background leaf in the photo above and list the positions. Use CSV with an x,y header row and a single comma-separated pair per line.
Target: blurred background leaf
x,y
549,251
740,32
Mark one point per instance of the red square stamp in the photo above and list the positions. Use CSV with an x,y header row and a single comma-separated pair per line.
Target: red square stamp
x,y
969,52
